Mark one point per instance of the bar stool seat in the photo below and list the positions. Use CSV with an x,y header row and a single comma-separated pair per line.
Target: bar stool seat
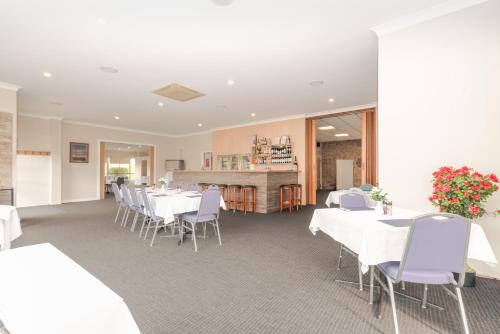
x,y
286,197
296,195
234,196
246,202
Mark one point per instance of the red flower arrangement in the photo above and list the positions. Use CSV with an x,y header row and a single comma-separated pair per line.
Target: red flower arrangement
x,y
462,191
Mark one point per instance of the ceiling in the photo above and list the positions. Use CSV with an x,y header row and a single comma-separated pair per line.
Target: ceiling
x,y
350,124
135,150
271,50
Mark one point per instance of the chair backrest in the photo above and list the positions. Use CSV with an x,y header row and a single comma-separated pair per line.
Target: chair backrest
x,y
120,180
116,191
210,203
148,208
126,196
193,187
366,187
133,196
353,200
437,242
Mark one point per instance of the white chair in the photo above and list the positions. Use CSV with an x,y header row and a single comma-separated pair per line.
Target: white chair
x,y
119,200
137,205
127,200
152,220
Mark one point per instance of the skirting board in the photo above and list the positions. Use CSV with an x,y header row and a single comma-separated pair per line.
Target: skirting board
x,y
80,200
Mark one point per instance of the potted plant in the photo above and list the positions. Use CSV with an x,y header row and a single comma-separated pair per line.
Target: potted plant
x,y
379,195
463,191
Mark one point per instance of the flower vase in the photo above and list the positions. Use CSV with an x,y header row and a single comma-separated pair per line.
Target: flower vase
x,y
379,207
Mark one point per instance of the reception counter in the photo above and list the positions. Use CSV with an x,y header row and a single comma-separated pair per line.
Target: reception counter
x,y
267,182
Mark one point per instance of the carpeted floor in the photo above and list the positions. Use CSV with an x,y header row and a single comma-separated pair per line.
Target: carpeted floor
x,y
271,275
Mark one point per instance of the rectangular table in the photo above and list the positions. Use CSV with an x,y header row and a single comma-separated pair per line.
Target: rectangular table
x,y
43,291
10,226
376,242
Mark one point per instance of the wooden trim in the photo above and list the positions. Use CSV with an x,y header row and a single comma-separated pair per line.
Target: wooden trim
x,y
102,164
311,161
151,165
33,152
359,111
368,148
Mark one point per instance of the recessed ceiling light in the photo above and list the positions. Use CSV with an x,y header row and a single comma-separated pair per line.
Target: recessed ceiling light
x,y
55,103
331,100
222,2
230,82
200,125
129,147
326,127
47,74
119,149
117,117
160,104
108,69
252,114
316,83
102,21
341,135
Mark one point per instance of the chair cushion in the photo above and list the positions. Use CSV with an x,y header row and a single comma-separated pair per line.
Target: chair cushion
x,y
417,276
191,217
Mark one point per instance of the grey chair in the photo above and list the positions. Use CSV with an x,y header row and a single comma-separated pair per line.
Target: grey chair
x,y
136,205
436,247
152,220
208,213
119,200
127,201
355,201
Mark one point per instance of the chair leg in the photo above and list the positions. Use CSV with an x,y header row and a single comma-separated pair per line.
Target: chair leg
x,y
204,230
155,233
218,231
360,274
126,218
393,306
371,285
339,261
136,216
403,286
142,226
123,217
194,237
462,310
424,298
117,213
147,228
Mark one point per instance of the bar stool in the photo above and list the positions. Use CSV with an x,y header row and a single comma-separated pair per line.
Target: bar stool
x,y
203,186
296,195
224,193
286,197
252,202
234,191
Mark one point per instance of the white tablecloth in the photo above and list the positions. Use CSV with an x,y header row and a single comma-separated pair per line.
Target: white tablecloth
x,y
334,198
376,242
44,292
177,203
10,225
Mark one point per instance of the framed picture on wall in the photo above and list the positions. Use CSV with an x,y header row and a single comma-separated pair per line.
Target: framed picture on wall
x,y
78,152
206,160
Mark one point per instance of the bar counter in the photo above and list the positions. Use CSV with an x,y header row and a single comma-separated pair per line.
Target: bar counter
x,y
267,182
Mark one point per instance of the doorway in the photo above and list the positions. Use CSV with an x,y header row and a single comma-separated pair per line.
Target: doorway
x,y
125,163
345,146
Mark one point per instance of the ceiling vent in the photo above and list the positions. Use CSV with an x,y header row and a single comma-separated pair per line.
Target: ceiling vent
x,y
178,92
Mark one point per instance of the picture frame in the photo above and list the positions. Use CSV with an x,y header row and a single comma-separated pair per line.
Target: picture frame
x,y
78,152
206,160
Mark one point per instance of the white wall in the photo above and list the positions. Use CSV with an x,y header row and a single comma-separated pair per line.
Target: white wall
x,y
190,148
439,104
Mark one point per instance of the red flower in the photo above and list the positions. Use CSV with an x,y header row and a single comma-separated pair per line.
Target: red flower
x,y
473,209
476,197
466,183
445,188
478,176
485,185
466,194
493,178
475,188
454,200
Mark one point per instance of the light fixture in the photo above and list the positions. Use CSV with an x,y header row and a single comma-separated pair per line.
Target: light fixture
x,y
341,134
55,103
252,114
108,69
117,117
47,74
326,127
316,83
222,2
129,147
102,21
230,82
200,125
160,104
331,100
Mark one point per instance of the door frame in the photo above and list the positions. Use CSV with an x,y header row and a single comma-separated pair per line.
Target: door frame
x,y
368,149
101,162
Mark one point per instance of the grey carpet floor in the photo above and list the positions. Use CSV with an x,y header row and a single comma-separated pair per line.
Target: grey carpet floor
x,y
271,275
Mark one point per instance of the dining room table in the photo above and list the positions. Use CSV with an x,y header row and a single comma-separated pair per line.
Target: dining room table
x,y
377,238
10,226
43,291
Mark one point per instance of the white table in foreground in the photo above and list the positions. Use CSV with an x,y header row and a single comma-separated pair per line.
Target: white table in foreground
x,y
376,242
334,198
10,225
44,292
169,203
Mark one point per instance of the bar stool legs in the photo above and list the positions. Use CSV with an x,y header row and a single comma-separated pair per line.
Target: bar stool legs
x,y
286,197
297,196
245,201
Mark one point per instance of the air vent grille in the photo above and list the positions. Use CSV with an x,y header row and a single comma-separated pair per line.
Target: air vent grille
x,y
178,92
